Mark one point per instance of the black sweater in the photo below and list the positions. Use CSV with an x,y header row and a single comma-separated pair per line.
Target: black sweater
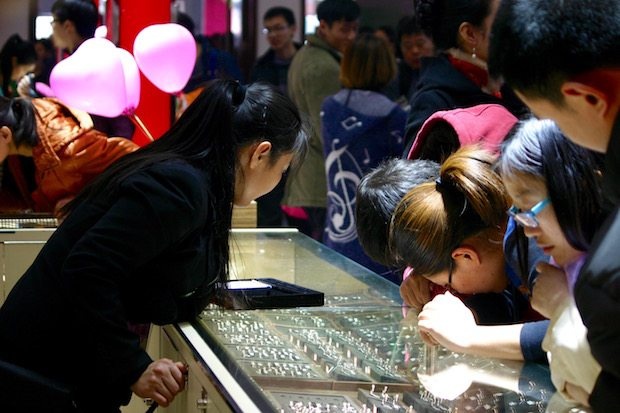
x,y
138,256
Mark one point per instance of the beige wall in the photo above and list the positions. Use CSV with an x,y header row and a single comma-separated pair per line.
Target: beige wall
x,y
14,18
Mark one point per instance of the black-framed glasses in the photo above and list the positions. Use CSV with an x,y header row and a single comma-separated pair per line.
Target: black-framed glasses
x,y
527,218
274,29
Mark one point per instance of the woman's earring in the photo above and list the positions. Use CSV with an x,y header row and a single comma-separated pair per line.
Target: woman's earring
x,y
473,53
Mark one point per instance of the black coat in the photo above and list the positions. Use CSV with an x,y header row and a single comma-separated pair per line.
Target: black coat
x,y
442,87
597,290
138,257
268,70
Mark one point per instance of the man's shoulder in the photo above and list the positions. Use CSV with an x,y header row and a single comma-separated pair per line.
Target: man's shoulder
x,y
311,57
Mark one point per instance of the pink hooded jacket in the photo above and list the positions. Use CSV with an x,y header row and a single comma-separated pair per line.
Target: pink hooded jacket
x,y
486,124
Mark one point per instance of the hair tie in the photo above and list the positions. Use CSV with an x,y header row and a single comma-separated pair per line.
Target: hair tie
x,y
239,94
439,185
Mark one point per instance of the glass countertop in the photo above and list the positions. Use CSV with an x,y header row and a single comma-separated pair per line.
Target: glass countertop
x,y
360,352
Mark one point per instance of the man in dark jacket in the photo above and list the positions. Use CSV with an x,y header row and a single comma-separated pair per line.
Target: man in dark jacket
x,y
279,27
561,56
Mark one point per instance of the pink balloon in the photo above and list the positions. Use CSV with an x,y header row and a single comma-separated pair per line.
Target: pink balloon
x,y
92,79
132,81
43,89
166,54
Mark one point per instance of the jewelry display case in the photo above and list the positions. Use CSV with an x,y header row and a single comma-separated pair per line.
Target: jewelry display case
x,y
359,352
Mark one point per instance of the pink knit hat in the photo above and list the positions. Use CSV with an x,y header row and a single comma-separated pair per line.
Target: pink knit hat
x,y
486,124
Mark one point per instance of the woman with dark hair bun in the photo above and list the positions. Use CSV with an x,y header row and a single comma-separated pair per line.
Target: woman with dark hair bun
x,y
457,76
146,242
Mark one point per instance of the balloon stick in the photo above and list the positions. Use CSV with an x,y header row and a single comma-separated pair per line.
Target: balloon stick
x,y
138,122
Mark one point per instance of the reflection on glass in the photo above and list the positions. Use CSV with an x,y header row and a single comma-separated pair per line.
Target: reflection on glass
x,y
358,353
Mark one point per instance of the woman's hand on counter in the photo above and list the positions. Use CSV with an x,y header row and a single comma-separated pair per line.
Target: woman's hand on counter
x,y
161,381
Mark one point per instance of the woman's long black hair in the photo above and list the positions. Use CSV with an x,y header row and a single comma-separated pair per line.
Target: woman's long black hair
x,y
225,117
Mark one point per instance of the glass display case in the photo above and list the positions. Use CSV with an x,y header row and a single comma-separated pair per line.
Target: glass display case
x,y
359,352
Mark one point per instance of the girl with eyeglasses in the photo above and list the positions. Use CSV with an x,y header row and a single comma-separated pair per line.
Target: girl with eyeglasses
x,y
556,189
456,233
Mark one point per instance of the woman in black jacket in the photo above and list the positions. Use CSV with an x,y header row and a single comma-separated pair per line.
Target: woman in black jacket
x,y
457,77
147,242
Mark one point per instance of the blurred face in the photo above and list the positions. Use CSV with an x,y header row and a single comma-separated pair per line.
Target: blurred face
x,y
20,71
340,34
279,33
382,35
260,178
60,34
415,46
526,191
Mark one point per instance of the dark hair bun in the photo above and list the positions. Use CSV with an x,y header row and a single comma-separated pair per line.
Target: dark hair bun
x,y
426,13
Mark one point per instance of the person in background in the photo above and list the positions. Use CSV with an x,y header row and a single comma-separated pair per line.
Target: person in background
x,y
146,242
457,76
66,150
546,174
46,60
387,33
211,62
360,128
75,21
561,57
279,27
413,45
17,58
314,75
456,233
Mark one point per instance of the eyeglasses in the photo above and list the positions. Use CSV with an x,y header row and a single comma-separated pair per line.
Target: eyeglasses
x,y
274,29
450,273
528,219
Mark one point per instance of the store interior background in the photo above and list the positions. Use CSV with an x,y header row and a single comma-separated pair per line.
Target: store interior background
x,y
235,24
241,18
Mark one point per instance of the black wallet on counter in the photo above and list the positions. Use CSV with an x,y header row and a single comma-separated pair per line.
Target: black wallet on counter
x,y
271,293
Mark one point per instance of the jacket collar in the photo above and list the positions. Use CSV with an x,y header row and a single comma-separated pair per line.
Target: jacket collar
x,y
314,40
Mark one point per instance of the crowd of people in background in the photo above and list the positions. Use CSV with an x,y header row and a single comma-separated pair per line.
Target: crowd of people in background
x,y
469,153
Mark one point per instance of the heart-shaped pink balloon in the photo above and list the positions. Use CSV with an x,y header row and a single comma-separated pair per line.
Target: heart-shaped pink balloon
x,y
92,79
166,54
132,81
